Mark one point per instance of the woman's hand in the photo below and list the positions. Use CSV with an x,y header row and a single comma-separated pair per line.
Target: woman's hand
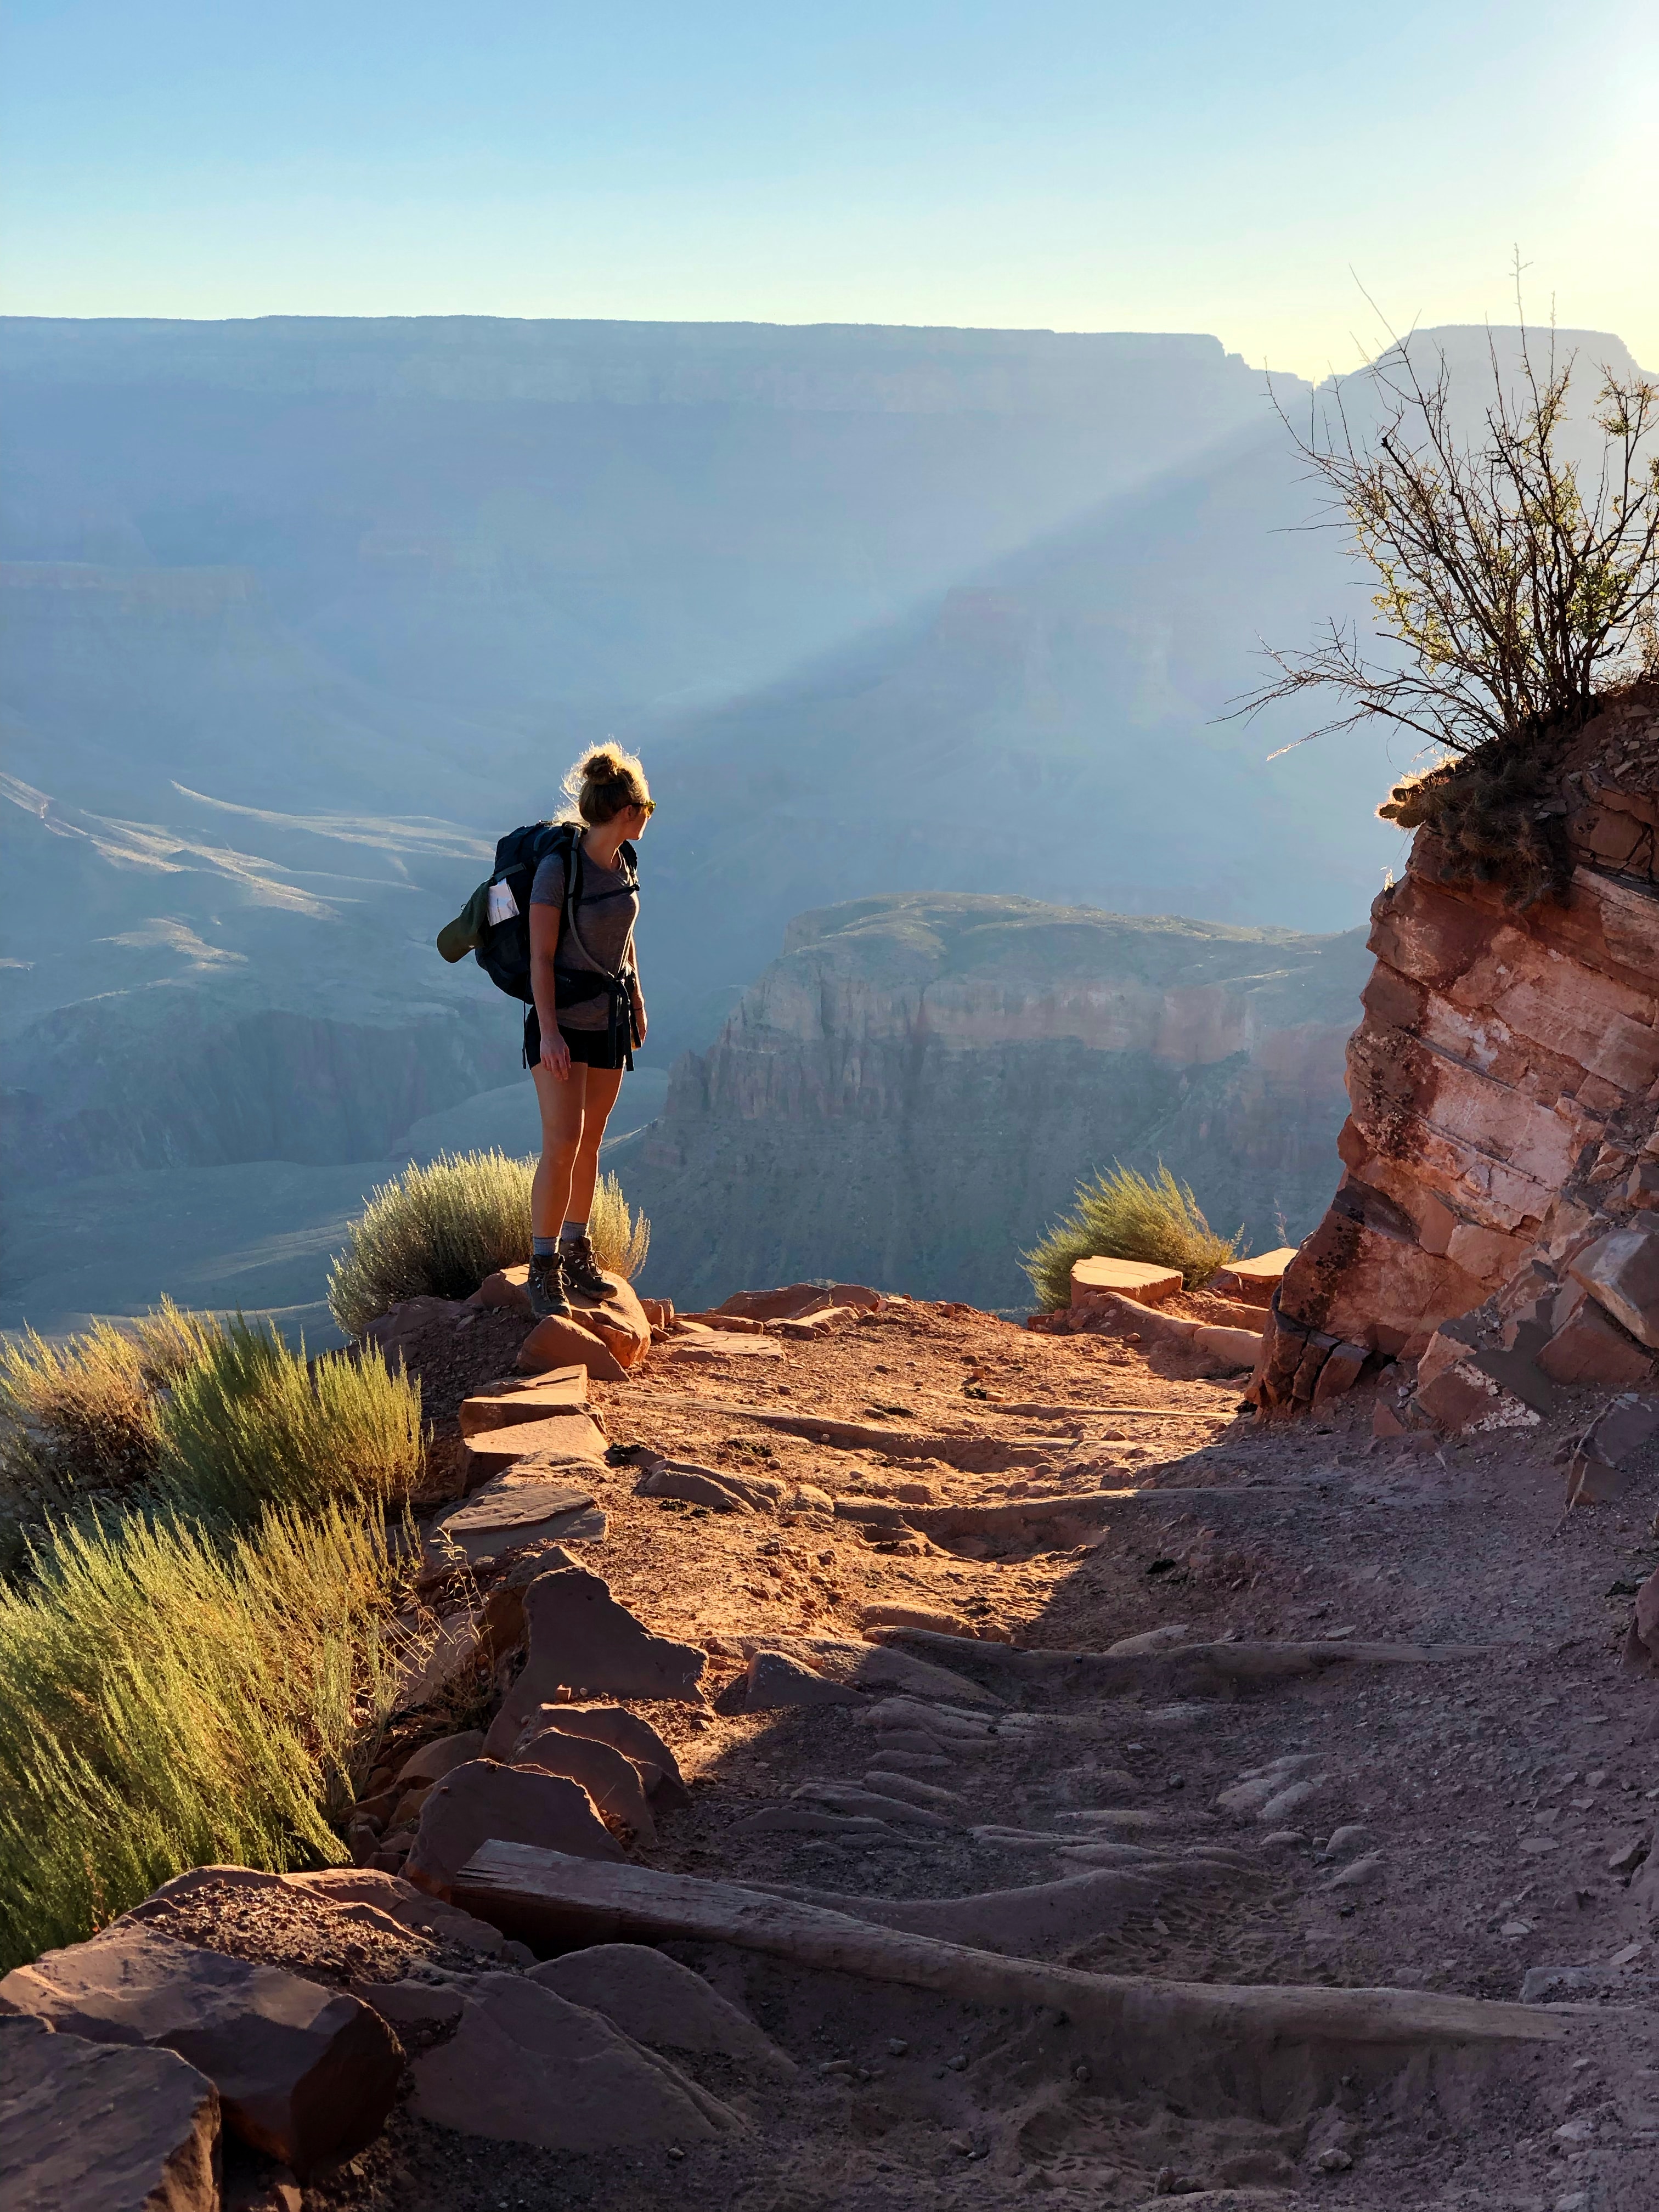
x,y
555,1054
638,1018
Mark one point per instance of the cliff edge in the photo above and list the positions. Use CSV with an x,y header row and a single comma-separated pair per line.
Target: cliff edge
x,y
1494,1228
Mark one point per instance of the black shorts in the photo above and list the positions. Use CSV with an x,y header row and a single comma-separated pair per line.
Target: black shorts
x,y
588,1047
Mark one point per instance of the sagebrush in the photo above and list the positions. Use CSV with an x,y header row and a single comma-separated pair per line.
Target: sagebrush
x,y
252,1423
80,1422
438,1230
1125,1215
168,1701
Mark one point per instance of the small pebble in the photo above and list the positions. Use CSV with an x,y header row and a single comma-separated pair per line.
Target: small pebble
x,y
896,2045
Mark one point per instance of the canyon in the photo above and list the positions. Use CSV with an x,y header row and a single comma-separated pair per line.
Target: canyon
x,y
913,1091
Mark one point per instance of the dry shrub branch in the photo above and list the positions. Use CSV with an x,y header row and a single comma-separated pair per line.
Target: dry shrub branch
x,y
1515,583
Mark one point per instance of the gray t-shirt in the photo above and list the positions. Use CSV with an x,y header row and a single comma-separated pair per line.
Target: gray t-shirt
x,y
605,916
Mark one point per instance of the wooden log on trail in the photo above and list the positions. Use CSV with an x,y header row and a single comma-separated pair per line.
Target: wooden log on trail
x,y
1266,2049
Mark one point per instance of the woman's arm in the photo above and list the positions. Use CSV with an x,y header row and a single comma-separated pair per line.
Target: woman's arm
x,y
638,993
543,946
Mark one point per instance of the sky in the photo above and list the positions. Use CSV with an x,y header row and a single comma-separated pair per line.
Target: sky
x,y
1237,167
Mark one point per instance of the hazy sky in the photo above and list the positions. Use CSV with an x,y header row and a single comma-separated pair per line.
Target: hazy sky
x,y
1071,164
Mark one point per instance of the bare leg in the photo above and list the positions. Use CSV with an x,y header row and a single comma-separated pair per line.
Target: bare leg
x,y
563,1113
602,1084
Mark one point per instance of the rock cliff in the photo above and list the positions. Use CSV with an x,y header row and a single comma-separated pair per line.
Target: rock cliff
x,y
1499,1154
913,1091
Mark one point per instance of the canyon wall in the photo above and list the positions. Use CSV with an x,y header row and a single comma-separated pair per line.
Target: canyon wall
x,y
910,1094
1499,1155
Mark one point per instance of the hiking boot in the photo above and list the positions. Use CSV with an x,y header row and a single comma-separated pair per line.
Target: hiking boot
x,y
581,1270
546,1287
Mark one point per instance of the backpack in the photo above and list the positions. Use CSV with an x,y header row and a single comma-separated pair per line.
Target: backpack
x,y
494,924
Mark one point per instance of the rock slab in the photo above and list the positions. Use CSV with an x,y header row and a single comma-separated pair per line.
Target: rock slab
x,y
92,2127
526,2066
304,2074
659,2003
483,1803
580,1638
1139,1279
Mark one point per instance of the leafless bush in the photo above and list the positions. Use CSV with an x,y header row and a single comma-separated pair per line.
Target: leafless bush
x,y
1516,589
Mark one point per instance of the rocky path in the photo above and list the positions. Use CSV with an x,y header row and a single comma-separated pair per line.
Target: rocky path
x,y
1365,1730
1023,1777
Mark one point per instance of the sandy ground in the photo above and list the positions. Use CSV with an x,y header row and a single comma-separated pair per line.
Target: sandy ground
x,y
1491,1795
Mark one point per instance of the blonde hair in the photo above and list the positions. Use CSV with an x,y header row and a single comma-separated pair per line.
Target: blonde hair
x,y
604,784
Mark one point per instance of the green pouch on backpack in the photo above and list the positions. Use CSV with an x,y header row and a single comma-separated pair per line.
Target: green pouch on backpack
x,y
465,934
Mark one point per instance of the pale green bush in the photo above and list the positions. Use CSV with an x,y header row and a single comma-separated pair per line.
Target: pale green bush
x,y
1124,1216
80,1421
438,1230
166,1703
251,1423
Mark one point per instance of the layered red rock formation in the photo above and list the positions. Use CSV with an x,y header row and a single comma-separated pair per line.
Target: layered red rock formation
x,y
1504,1087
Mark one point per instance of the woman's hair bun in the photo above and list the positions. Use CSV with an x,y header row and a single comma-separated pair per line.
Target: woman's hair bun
x,y
604,783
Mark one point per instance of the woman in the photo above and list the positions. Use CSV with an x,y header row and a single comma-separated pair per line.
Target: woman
x,y
588,1010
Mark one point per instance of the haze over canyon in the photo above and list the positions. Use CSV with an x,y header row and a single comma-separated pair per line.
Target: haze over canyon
x,y
925,635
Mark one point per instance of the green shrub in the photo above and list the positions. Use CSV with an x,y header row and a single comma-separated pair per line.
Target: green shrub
x,y
80,1422
1123,1215
166,1703
251,1424
438,1230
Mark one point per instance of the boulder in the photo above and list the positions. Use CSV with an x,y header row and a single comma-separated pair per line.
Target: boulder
x,y
618,1321
1235,1349
526,2066
536,1398
659,2003
802,1330
304,2074
506,1290
1139,1279
580,1638
91,2127
567,1434
1603,1461
412,2009
1202,1348
527,1505
1620,1271
435,1759
612,1781
636,1740
483,1801
1253,1281
556,1342
775,1683
1589,1351
713,1487
735,1324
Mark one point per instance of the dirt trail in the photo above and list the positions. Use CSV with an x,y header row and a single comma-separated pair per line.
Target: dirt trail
x,y
1417,1824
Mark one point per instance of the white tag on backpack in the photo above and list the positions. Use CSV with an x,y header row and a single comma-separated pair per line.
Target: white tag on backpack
x,y
502,904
